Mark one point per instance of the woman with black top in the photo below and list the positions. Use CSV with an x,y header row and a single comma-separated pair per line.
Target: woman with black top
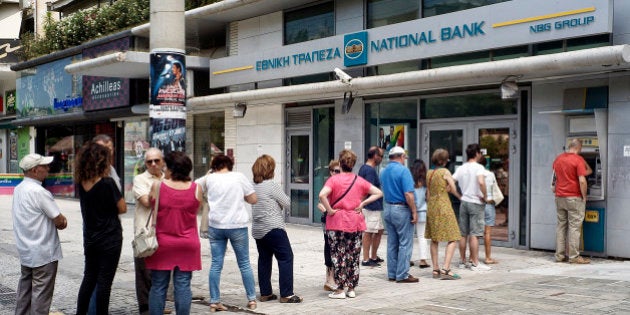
x,y
101,203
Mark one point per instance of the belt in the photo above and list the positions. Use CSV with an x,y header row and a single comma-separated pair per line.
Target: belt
x,y
397,203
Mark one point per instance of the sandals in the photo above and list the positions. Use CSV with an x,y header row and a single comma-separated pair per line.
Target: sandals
x,y
217,307
251,305
291,299
270,297
436,273
447,274
490,261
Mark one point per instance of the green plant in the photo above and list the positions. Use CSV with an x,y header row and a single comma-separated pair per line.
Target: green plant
x,y
85,25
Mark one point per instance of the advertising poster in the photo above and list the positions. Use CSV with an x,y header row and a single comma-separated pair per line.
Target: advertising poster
x,y
168,128
10,101
390,136
168,78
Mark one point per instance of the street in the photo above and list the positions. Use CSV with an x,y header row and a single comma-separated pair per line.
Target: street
x,y
524,282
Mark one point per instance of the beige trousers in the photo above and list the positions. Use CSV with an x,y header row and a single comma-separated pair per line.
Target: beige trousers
x,y
570,217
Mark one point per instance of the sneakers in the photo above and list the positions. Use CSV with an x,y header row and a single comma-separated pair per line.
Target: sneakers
x,y
351,294
479,267
464,265
580,260
340,295
378,259
370,263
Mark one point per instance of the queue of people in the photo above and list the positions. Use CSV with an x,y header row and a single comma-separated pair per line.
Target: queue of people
x,y
355,211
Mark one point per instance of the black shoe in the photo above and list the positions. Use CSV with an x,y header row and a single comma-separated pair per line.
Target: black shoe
x,y
378,259
370,263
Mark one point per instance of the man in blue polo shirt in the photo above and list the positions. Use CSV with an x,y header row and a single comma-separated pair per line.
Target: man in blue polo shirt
x,y
399,215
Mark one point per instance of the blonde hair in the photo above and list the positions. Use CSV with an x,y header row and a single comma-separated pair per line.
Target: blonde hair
x,y
347,159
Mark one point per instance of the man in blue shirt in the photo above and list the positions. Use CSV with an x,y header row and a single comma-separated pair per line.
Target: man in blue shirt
x,y
373,212
399,214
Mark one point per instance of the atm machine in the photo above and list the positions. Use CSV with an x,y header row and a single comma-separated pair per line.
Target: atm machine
x,y
592,131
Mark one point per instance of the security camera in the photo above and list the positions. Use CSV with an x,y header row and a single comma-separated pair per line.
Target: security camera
x,y
344,77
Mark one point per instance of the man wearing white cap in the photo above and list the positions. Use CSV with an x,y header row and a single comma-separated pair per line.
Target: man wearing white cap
x,y
36,219
399,214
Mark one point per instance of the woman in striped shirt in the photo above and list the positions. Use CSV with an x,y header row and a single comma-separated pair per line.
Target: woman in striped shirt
x,y
268,229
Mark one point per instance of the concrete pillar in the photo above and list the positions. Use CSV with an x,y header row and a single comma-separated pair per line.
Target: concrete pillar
x,y
168,25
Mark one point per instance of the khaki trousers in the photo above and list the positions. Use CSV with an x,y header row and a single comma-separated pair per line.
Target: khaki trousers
x,y
570,217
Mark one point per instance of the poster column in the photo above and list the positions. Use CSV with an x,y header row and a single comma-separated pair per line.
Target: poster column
x,y
167,110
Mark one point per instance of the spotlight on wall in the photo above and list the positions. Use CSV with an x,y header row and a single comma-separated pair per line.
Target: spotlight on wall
x,y
347,102
509,88
239,110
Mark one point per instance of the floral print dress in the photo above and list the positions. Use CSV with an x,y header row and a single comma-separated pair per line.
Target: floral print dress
x,y
441,222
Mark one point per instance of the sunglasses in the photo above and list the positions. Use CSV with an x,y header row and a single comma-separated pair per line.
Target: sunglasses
x,y
154,161
336,171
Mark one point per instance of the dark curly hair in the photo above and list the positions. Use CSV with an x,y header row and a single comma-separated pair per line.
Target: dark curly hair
x,y
180,166
93,160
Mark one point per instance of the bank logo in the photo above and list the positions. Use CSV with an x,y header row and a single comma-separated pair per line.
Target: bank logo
x,y
355,49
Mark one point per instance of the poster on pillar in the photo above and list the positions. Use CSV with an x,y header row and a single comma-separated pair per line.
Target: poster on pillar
x,y
168,128
168,78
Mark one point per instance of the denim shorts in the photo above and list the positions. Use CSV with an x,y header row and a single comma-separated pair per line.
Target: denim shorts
x,y
490,214
471,219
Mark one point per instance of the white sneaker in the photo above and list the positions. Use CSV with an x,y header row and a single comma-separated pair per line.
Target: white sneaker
x,y
463,265
341,295
479,267
351,294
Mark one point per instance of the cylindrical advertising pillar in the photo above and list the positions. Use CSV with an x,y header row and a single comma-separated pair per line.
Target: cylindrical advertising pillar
x,y
167,110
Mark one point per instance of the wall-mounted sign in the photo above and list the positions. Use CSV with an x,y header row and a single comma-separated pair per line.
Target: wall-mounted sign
x,y
521,22
102,92
39,87
9,49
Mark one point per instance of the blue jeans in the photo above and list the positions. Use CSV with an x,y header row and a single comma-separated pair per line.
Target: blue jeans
x,y
181,291
399,240
240,243
275,243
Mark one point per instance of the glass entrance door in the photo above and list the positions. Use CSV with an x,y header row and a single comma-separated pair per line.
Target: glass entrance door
x,y
299,176
497,141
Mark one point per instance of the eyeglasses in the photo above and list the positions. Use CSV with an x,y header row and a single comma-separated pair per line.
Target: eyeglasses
x,y
156,161
336,171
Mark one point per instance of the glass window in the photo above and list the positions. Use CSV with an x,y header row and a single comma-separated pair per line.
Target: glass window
x,y
313,78
399,124
309,23
461,59
549,48
588,42
136,143
485,104
437,7
398,67
209,140
385,12
510,53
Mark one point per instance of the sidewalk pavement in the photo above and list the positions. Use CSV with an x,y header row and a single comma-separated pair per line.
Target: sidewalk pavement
x,y
524,282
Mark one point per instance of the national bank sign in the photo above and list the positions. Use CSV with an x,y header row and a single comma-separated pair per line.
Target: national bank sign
x,y
521,22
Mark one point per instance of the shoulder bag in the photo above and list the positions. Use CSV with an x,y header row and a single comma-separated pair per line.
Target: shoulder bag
x,y
497,195
338,199
145,243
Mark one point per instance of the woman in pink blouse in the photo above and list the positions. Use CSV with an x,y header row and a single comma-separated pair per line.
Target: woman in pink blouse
x,y
343,196
179,251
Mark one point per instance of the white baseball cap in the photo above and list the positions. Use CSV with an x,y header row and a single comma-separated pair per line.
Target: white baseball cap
x,y
30,161
396,150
